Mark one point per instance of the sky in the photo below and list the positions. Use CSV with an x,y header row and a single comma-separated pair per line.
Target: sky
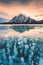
x,y
31,8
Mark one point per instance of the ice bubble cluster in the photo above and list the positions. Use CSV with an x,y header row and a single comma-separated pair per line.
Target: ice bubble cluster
x,y
23,51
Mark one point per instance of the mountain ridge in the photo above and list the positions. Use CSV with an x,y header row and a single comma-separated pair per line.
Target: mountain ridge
x,y
22,19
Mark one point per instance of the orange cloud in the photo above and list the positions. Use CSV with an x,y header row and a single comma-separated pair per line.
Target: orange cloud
x,y
15,9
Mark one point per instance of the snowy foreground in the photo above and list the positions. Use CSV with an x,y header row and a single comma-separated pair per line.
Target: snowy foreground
x,y
21,51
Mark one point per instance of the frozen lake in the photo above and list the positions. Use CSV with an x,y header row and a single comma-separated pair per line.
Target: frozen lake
x,y
11,36
21,30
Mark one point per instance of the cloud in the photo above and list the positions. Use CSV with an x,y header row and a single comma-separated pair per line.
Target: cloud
x,y
38,15
22,2
14,1
3,13
38,3
2,20
32,8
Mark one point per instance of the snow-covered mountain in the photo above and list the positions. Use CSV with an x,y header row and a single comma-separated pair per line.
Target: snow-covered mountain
x,y
22,19
40,22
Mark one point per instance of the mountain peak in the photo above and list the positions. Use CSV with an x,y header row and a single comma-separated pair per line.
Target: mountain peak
x,y
22,19
21,14
19,19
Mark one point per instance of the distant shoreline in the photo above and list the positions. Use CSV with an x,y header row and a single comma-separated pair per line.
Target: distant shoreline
x,y
23,25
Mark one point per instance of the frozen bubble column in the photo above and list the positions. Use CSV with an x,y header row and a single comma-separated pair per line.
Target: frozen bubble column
x,y
15,51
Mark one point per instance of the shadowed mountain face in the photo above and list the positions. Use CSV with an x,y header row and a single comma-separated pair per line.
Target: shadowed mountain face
x,y
21,19
40,22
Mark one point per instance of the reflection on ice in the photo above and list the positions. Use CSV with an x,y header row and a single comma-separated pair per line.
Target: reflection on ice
x,y
34,33
22,28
